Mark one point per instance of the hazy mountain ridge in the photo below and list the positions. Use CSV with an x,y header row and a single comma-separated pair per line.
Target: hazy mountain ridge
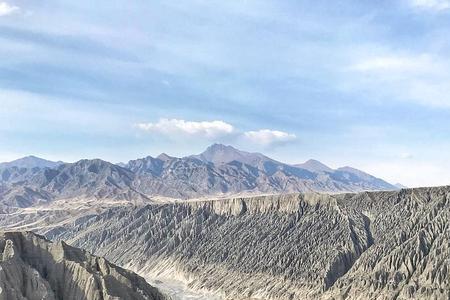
x,y
224,169
370,245
92,179
220,170
30,162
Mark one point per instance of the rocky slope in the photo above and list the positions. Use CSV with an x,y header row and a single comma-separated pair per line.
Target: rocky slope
x,y
32,267
371,245
85,179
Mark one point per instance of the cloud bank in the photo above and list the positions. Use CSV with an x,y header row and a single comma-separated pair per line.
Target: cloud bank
x,y
209,129
266,137
213,130
7,9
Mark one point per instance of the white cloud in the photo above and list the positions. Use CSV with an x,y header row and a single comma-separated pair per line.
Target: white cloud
x,y
215,129
209,129
7,9
431,4
268,137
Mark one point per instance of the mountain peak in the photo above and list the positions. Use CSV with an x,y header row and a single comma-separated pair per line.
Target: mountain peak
x,y
314,166
222,154
164,157
219,147
215,149
30,162
30,157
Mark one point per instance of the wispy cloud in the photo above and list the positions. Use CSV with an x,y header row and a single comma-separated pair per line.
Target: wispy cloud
x,y
7,9
267,137
208,129
419,63
437,5
421,79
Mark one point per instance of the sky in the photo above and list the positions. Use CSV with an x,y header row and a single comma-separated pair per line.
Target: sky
x,y
358,83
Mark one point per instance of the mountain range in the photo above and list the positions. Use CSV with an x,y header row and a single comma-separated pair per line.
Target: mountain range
x,y
219,170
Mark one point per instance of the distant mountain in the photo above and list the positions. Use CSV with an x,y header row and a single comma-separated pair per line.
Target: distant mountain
x,y
16,174
30,162
357,177
89,178
218,170
24,168
121,164
219,154
314,166
326,179
85,179
222,154
225,169
400,186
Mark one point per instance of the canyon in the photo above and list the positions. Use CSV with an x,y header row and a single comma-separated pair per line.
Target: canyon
x,y
368,245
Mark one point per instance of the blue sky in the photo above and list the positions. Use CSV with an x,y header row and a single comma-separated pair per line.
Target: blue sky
x,y
360,83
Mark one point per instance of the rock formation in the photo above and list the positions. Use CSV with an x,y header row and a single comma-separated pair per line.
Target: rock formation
x,y
33,268
371,245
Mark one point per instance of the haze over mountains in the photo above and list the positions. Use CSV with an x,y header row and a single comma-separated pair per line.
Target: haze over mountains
x,y
219,170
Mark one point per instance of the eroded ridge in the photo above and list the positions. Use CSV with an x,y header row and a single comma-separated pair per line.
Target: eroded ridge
x,y
32,267
371,245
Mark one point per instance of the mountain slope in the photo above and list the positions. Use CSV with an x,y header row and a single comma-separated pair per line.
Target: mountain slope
x,y
89,178
314,166
85,179
32,267
371,245
30,162
16,174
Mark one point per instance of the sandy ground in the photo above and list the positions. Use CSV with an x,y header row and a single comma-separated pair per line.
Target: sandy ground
x,y
179,291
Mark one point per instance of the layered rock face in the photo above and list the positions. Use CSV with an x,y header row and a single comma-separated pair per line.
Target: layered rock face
x,y
34,268
371,245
